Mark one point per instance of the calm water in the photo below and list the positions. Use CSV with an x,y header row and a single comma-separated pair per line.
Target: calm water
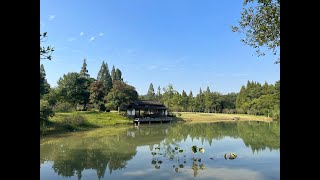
x,y
132,153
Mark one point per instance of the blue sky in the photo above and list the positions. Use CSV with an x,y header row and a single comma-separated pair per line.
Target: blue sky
x,y
186,43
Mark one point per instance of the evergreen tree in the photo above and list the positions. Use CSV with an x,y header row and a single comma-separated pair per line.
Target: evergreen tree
x,y
118,75
113,74
151,94
84,71
104,76
44,85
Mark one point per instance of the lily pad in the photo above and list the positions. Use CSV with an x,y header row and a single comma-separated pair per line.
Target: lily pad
x,y
194,149
153,162
181,166
153,153
160,162
180,151
201,166
176,169
176,148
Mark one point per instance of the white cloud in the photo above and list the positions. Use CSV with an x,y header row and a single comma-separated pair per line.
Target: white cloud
x,y
52,17
92,39
101,34
71,39
81,34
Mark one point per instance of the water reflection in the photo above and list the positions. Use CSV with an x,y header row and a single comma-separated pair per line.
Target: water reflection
x,y
110,149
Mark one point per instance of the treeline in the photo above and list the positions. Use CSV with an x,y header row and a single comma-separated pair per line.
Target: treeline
x,y
255,99
79,91
259,99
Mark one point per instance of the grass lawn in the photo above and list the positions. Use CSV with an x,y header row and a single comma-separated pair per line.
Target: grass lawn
x,y
215,117
82,120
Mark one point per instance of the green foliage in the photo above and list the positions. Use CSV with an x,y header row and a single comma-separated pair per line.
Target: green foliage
x,y
261,25
105,77
45,52
74,89
113,74
151,94
84,71
73,122
44,85
63,107
120,95
97,93
45,111
260,100
118,75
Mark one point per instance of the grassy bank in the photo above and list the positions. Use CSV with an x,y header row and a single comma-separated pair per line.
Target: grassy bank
x,y
82,120
216,117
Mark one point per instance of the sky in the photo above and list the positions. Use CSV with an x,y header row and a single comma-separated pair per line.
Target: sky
x,y
188,44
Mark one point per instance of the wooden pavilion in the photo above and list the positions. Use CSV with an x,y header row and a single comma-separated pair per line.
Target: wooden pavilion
x,y
148,111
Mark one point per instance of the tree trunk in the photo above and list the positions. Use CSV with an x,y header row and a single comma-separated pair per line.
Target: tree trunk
x,y
118,109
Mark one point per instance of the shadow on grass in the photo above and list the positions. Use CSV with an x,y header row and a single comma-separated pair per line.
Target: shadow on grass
x,y
179,119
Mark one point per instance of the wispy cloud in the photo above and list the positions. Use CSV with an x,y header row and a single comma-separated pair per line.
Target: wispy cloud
x,y
91,39
239,74
70,39
52,17
101,34
152,67
81,34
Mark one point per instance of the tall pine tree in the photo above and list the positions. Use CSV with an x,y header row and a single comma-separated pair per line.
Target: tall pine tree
x,y
104,76
118,75
151,94
84,71
44,85
113,74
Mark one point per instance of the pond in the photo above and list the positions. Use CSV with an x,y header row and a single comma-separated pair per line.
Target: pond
x,y
165,152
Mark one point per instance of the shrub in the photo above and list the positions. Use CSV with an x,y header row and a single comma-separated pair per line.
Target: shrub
x,y
179,114
45,111
73,122
240,111
63,107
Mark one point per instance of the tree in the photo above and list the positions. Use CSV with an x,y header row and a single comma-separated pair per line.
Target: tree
x,y
104,76
261,25
45,111
84,71
44,85
97,93
184,101
151,94
158,95
120,95
167,97
45,52
118,75
113,74
74,89
192,102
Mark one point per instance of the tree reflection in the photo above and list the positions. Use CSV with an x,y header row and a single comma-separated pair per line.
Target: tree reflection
x,y
111,148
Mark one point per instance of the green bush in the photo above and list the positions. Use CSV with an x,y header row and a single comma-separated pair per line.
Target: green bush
x,y
73,122
63,107
46,111
275,114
